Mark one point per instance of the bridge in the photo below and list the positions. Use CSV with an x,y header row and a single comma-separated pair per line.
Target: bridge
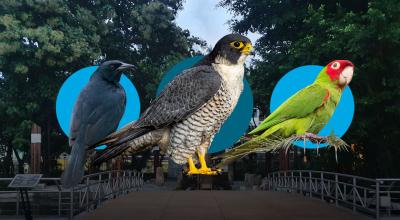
x,y
282,195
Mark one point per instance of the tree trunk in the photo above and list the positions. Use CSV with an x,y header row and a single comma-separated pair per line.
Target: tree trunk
x,y
8,165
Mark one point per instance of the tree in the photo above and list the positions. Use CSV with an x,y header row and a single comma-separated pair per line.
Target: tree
x,y
143,33
43,42
296,33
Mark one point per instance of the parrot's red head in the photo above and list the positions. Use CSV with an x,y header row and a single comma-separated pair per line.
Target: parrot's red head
x,y
340,71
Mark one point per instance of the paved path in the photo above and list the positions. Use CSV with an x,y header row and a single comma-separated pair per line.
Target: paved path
x,y
210,205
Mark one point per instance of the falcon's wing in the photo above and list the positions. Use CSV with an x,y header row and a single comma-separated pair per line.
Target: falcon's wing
x,y
299,105
182,96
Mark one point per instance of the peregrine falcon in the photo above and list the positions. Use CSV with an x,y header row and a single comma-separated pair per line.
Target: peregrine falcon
x,y
184,118
96,114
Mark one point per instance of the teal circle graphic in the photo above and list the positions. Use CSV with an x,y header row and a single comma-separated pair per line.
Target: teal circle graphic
x,y
237,123
298,79
71,89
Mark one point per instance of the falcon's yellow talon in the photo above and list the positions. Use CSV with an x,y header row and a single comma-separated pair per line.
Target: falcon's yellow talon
x,y
203,166
204,170
209,172
192,167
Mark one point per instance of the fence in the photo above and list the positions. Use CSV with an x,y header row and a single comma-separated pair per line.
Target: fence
x,y
49,199
376,197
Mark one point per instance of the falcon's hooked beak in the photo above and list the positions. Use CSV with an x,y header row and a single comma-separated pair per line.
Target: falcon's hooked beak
x,y
247,49
125,66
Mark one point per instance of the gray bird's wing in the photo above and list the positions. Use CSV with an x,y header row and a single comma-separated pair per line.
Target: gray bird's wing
x,y
96,114
185,94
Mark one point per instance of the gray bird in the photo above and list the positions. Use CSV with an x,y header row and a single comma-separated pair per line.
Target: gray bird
x,y
96,114
184,118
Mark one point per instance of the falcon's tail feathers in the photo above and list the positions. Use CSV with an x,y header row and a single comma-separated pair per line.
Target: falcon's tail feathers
x,y
137,140
73,174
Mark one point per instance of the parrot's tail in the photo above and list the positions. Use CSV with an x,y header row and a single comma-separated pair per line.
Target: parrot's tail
x,y
251,146
73,174
136,140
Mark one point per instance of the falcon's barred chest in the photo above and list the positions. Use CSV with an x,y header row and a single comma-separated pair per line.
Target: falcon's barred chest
x,y
199,128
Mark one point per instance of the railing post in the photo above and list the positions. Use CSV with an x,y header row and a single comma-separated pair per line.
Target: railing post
x,y
110,182
377,191
322,186
135,183
17,204
310,183
291,180
273,181
119,182
354,193
71,205
269,182
285,179
336,189
99,193
301,182
59,202
123,182
279,179
129,181
87,193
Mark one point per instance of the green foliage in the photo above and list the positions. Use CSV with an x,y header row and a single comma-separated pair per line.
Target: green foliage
x,y
43,42
296,33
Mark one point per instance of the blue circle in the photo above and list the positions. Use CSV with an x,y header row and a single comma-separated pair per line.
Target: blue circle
x,y
237,123
298,79
72,87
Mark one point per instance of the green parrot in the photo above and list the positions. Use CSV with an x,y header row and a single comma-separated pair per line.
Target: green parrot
x,y
305,112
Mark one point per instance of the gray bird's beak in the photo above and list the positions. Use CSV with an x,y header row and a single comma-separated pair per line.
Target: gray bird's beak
x,y
125,66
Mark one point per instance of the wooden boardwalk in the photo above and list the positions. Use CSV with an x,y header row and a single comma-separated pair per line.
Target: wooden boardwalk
x,y
218,205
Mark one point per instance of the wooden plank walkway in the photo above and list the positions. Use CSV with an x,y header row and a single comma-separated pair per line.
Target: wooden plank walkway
x,y
218,205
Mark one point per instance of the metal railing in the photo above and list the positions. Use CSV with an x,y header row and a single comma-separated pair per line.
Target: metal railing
x,y
50,199
376,197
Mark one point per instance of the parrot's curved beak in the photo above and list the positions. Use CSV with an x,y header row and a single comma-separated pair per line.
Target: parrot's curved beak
x,y
346,75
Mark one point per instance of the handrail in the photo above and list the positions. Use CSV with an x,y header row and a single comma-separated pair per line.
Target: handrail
x,y
376,197
93,190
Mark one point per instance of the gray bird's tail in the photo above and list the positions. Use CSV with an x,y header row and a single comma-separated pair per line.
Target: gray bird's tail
x,y
73,174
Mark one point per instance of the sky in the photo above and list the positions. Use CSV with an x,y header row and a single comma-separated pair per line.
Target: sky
x,y
205,20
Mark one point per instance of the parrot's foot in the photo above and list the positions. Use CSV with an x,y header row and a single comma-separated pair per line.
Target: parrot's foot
x,y
314,138
331,140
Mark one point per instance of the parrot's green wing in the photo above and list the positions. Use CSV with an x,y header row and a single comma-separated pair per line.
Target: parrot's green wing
x,y
299,105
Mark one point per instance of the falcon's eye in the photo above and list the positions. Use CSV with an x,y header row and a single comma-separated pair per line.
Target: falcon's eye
x,y
237,44
335,65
